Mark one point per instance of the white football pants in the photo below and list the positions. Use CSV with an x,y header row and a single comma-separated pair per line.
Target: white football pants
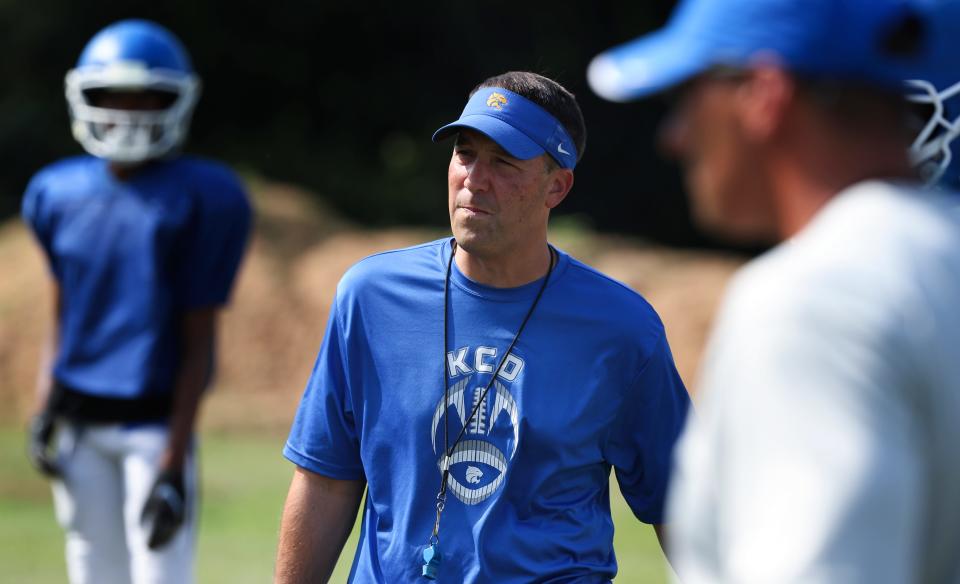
x,y
108,471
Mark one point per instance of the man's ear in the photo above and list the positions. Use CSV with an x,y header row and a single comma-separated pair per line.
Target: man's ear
x,y
764,99
561,181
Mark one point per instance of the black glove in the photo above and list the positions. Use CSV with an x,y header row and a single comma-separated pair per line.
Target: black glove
x,y
40,450
165,509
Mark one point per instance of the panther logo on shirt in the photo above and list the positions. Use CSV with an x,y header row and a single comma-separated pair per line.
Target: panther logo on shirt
x,y
479,461
474,474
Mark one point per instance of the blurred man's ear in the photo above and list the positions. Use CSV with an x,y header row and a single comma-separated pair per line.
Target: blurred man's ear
x,y
763,100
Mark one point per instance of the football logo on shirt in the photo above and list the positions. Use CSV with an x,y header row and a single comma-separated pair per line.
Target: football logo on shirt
x,y
479,461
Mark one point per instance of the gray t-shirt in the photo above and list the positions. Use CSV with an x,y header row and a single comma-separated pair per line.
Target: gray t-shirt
x,y
827,443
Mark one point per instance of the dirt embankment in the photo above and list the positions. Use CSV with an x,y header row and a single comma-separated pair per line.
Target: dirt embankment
x,y
275,322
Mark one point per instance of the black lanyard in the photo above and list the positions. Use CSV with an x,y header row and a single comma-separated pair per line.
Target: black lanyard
x,y
431,554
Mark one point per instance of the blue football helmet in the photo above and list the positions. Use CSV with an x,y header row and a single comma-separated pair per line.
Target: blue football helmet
x,y
132,56
932,149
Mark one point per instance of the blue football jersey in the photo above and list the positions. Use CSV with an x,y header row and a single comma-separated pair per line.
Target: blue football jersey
x,y
589,385
129,257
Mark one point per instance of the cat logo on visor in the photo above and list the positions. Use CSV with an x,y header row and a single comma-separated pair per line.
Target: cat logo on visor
x,y
496,100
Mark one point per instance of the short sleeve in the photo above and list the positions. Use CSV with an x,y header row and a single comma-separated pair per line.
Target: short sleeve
x,y
641,442
216,242
37,215
324,437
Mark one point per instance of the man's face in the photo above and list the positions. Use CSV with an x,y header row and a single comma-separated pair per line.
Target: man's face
x,y
722,166
498,202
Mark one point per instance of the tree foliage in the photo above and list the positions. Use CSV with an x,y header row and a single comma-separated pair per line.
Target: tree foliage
x,y
343,97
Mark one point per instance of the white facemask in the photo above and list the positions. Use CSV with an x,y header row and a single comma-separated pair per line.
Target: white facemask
x,y
930,151
130,136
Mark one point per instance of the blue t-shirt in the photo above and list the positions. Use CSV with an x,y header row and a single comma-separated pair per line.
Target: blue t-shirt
x,y
590,384
129,258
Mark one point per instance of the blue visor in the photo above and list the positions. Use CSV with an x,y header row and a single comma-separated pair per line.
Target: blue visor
x,y
522,128
835,39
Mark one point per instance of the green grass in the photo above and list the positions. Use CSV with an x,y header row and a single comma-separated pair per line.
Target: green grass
x,y
245,482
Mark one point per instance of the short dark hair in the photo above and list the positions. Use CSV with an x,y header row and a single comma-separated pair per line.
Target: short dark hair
x,y
549,95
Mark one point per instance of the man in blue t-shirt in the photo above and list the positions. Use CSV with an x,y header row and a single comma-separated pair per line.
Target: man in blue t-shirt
x,y
143,246
481,387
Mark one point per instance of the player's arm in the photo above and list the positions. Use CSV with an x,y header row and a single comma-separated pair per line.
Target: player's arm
x,y
36,212
48,352
317,519
164,509
213,251
42,423
198,336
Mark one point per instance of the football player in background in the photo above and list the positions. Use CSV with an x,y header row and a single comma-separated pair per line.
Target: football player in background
x,y
143,245
825,446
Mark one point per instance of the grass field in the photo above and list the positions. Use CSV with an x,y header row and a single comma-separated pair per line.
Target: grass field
x,y
244,484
